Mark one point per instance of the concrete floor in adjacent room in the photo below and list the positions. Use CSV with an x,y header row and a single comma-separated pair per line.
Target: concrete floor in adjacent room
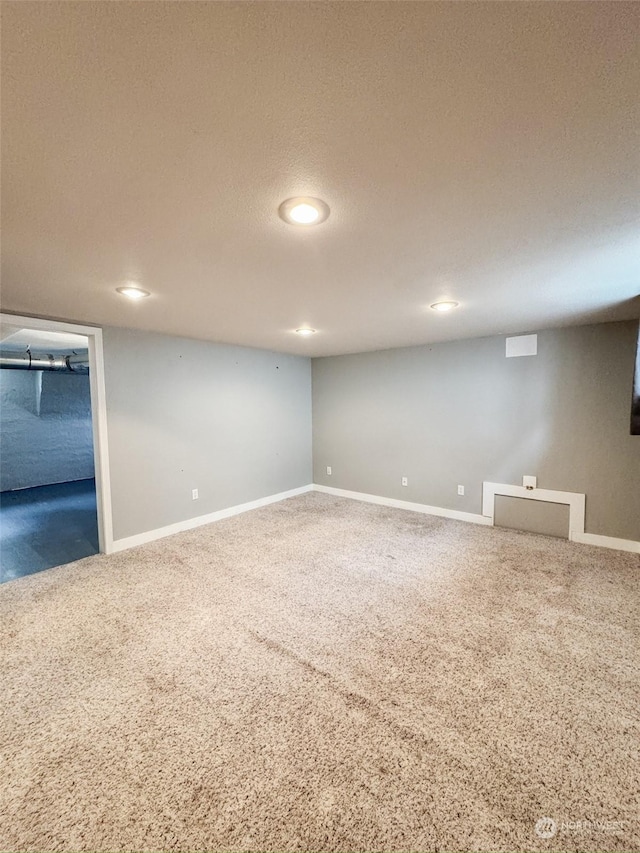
x,y
324,675
47,526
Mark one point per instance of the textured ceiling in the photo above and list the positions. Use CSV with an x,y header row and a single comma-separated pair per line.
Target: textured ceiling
x,y
482,152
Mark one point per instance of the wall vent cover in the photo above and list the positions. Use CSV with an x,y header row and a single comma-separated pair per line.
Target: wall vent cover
x,y
522,345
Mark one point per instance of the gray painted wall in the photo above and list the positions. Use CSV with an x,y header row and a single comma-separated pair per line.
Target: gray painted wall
x,y
45,429
460,413
233,422
534,516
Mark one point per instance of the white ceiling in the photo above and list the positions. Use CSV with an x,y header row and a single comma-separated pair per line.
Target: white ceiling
x,y
481,152
18,339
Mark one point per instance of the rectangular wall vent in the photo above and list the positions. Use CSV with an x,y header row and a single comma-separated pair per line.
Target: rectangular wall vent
x,y
551,519
522,345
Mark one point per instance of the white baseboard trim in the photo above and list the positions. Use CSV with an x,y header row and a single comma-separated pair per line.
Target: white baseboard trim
x,y
577,507
607,542
455,514
575,500
629,545
190,523
575,535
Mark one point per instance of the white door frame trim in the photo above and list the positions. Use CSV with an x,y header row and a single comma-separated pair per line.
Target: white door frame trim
x,y
575,500
98,413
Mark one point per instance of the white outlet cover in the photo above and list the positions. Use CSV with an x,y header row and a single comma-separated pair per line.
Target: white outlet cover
x,y
194,494
461,490
405,481
329,470
528,481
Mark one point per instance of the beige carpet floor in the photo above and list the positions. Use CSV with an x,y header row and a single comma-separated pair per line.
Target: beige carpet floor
x,y
324,674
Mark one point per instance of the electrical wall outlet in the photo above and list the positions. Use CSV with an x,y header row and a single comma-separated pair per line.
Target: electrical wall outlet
x,y
405,481
461,490
194,494
529,482
329,470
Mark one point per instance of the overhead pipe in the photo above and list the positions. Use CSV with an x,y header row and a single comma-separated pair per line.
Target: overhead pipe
x,y
73,363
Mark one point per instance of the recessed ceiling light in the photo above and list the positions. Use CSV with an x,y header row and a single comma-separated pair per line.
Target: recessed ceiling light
x,y
303,211
444,306
305,332
131,291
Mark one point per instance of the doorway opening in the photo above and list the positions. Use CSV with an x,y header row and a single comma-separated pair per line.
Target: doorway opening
x,y
54,495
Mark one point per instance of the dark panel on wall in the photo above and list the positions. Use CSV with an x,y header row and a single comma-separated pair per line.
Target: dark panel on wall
x,y
533,516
